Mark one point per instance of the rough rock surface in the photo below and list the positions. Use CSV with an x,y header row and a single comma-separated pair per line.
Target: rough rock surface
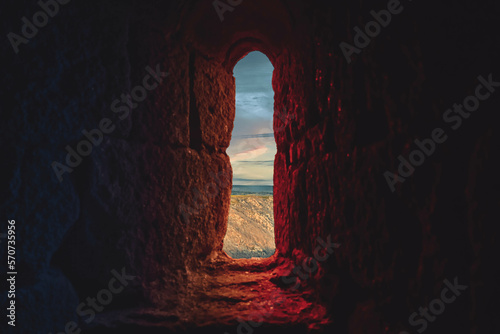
x,y
154,195
223,288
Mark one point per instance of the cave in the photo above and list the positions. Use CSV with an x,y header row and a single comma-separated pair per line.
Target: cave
x,y
116,119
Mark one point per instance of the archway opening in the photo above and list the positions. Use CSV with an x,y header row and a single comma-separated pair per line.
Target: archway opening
x,y
250,229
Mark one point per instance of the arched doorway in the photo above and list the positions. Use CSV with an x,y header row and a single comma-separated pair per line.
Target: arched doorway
x,y
250,231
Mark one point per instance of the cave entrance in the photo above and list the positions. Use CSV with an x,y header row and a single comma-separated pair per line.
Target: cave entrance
x,y
250,229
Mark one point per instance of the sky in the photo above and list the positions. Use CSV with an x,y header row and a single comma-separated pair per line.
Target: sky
x,y
252,148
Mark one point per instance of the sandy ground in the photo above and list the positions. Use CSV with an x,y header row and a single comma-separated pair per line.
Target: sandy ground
x,y
250,230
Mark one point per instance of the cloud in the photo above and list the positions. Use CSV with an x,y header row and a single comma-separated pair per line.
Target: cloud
x,y
258,135
252,143
250,154
256,162
251,182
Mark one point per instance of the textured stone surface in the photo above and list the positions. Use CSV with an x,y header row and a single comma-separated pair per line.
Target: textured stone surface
x,y
222,289
154,196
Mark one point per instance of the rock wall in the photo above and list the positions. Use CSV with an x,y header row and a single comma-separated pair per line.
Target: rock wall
x,y
153,197
349,124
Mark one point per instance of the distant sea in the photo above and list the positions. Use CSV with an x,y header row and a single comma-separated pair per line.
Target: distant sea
x,y
252,190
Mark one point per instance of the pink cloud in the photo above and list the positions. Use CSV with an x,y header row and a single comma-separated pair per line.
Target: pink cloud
x,y
249,154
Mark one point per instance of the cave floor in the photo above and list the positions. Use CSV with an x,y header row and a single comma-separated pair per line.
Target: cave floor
x,y
228,296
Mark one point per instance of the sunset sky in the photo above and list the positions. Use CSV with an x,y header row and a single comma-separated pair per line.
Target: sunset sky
x,y
252,147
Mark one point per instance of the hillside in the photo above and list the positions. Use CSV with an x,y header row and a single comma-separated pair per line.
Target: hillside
x,y
250,230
